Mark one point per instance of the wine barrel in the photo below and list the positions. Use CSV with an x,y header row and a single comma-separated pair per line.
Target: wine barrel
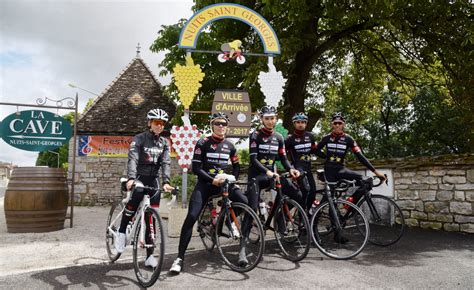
x,y
36,200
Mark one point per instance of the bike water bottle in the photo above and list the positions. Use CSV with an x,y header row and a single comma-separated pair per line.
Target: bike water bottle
x,y
263,209
128,233
314,206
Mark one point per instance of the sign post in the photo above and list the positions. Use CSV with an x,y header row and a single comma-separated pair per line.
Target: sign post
x,y
37,130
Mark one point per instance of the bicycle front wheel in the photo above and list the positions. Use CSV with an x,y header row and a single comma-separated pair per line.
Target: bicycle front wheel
x,y
239,237
292,230
344,241
148,248
111,233
385,219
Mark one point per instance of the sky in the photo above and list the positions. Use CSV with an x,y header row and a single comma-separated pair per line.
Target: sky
x,y
46,45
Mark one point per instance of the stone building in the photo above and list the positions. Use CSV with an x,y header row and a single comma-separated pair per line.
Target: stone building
x,y
116,115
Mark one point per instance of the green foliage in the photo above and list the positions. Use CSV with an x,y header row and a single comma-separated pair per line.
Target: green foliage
x,y
369,59
244,156
177,180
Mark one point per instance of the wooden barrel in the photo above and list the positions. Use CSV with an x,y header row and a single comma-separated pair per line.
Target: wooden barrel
x,y
36,200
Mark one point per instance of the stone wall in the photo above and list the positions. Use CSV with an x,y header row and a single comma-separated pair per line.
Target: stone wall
x,y
434,192
97,179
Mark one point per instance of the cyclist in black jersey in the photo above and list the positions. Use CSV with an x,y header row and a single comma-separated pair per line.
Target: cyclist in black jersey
x,y
148,153
300,145
336,145
267,146
211,157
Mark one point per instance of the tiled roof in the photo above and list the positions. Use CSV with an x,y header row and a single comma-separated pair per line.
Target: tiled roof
x,y
113,114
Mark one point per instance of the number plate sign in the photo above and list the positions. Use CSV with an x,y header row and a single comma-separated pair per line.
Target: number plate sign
x,y
236,104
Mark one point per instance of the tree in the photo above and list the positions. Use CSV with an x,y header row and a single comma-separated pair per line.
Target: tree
x,y
46,158
316,37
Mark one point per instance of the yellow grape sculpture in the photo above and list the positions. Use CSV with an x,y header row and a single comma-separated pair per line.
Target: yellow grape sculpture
x,y
188,80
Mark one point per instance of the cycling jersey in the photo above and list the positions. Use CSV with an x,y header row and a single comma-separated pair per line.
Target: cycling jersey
x,y
336,150
300,146
211,157
147,154
265,148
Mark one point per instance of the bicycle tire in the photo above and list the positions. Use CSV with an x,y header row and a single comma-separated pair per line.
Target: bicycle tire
x,y
354,228
115,216
147,276
291,229
229,245
387,223
206,228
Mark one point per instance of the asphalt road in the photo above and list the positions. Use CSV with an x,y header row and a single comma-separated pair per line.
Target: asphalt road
x,y
422,259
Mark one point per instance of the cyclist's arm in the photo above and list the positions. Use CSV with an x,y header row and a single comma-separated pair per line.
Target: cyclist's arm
x,y
234,158
133,155
319,148
282,155
166,164
197,162
358,153
289,150
253,150
314,145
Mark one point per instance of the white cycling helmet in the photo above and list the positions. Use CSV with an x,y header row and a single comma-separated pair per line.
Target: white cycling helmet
x,y
157,114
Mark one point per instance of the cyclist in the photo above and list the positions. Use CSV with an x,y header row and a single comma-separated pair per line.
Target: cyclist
x,y
211,157
299,146
266,146
336,145
148,153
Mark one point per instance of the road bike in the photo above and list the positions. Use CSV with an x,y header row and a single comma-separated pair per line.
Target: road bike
x,y
339,228
289,222
146,217
226,225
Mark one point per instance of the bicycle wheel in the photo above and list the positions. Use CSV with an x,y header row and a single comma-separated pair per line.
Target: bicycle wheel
x,y
292,230
233,235
385,219
151,243
111,232
206,228
347,241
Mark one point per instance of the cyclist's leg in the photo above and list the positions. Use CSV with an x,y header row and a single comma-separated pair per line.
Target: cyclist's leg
x,y
312,190
198,199
348,174
131,208
292,191
236,195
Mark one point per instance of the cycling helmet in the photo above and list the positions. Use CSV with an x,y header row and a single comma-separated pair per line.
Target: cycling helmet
x,y
157,114
299,117
267,111
219,115
338,117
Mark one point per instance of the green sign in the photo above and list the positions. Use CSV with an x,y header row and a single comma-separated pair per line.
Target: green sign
x,y
35,130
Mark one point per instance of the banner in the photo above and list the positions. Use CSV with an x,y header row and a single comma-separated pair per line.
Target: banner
x,y
106,146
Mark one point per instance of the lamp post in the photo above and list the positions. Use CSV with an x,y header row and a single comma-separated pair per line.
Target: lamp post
x,y
76,87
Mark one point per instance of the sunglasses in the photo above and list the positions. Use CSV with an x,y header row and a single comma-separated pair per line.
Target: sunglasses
x,y
158,122
337,123
224,124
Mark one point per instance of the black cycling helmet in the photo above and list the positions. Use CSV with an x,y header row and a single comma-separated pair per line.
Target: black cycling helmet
x,y
220,115
337,116
300,116
266,111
